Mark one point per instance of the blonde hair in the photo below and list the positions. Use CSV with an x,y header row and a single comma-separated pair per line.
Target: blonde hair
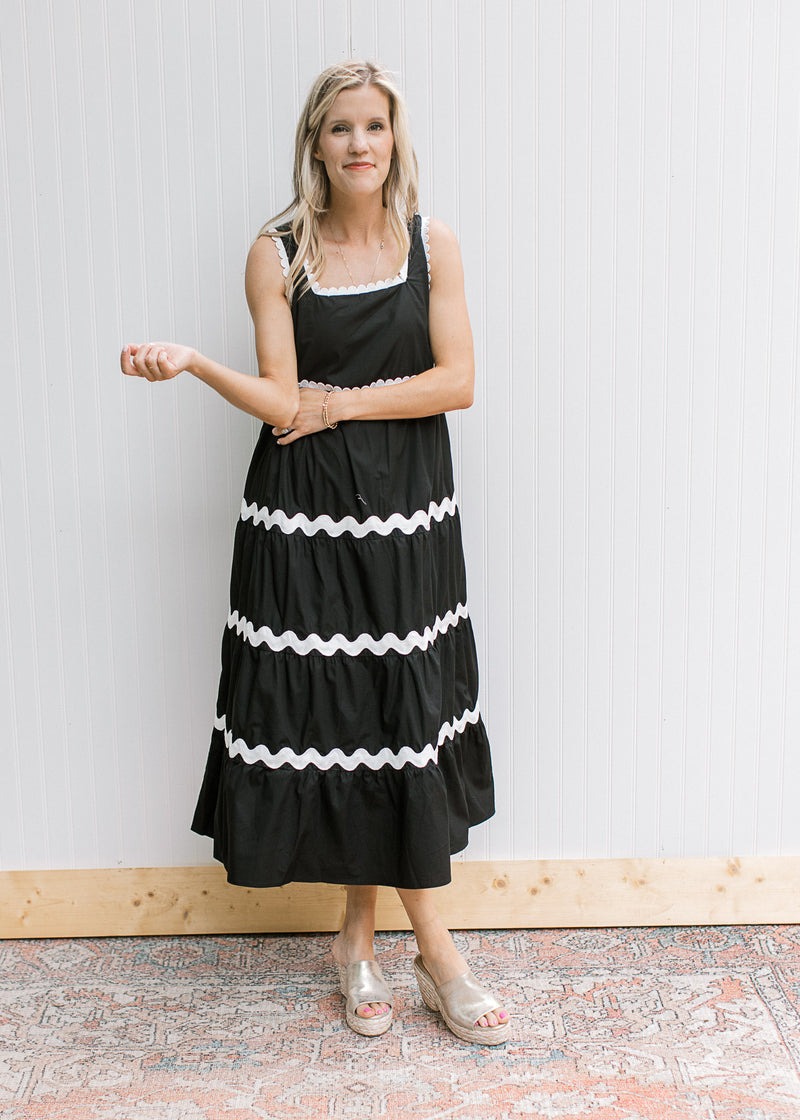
x,y
310,179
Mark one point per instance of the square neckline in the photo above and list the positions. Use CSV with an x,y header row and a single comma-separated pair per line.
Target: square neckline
x,y
359,289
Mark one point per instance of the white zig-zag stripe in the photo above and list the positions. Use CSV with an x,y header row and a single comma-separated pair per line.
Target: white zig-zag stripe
x,y
339,643
305,384
397,759
436,511
324,523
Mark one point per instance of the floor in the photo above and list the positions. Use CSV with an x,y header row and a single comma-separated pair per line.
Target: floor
x,y
612,1024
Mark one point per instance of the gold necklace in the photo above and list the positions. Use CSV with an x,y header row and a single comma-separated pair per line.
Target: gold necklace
x,y
340,251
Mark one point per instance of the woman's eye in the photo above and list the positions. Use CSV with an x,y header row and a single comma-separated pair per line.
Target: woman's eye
x,y
376,126
338,128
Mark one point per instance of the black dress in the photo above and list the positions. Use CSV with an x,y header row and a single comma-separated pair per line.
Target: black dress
x,y
348,745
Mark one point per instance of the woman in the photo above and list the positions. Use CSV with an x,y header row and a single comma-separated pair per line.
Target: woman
x,y
348,747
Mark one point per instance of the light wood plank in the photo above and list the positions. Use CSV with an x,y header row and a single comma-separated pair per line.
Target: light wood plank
x,y
542,894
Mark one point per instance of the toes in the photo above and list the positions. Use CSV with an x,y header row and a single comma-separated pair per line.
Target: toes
x,y
369,1010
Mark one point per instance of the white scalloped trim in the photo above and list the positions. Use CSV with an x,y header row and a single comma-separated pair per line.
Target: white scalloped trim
x,y
357,289
397,759
324,523
304,384
425,226
339,643
283,255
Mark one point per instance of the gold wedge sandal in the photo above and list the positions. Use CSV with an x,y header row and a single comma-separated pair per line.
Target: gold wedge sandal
x,y
461,1002
362,982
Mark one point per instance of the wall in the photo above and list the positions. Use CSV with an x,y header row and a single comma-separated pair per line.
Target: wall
x,y
624,180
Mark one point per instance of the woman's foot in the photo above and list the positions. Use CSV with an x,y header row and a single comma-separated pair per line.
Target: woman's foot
x,y
464,1004
351,950
444,962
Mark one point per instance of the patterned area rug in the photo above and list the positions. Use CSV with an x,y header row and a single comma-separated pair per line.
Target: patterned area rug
x,y
618,1024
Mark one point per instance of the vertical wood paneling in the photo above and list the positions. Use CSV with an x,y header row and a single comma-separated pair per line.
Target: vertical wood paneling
x,y
67,399
31,564
626,434
12,520
549,319
520,749
474,208
624,180
494,361
101,426
600,372
780,700
653,767
674,828
573,423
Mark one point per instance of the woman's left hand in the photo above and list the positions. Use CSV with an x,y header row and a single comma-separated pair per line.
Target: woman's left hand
x,y
155,361
307,420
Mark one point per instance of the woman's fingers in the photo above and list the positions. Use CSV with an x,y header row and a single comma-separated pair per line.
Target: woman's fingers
x,y
151,362
308,418
143,361
131,360
287,435
165,365
126,365
148,360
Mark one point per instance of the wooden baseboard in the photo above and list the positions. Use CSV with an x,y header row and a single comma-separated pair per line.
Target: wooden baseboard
x,y
526,894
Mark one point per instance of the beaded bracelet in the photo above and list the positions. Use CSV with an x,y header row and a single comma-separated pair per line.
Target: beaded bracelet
x,y
325,419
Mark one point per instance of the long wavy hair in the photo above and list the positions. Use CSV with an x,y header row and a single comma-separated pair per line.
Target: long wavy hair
x,y
310,179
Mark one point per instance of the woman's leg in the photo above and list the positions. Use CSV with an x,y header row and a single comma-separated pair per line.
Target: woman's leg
x,y
354,942
442,960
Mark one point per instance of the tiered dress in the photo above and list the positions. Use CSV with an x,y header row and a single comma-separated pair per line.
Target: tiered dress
x,y
348,746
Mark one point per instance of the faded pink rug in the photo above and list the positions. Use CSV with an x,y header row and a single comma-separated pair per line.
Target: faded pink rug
x,y
617,1024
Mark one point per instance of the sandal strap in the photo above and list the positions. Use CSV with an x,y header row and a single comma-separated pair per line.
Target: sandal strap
x,y
364,983
466,1000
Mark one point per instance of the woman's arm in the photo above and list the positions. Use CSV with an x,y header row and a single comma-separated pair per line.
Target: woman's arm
x,y
273,395
446,386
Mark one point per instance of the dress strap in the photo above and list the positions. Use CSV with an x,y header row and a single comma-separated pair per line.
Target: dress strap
x,y
419,257
425,234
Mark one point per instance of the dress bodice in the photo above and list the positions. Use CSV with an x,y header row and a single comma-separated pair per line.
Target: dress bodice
x,y
370,334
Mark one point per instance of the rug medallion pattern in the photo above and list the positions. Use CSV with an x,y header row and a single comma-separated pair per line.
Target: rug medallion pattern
x,y
615,1024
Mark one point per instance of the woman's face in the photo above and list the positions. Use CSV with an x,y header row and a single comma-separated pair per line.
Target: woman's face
x,y
356,142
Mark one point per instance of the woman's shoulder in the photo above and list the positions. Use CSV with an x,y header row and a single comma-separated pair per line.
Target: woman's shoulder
x,y
280,232
441,244
268,262
437,231
430,228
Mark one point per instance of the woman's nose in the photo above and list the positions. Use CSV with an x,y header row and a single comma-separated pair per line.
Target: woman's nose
x,y
358,140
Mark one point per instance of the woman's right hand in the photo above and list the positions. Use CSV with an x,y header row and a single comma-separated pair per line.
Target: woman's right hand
x,y
155,361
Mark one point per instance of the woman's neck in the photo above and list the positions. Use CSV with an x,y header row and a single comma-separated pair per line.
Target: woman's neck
x,y
355,221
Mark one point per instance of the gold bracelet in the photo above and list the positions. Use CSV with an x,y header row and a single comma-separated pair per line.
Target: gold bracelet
x,y
325,419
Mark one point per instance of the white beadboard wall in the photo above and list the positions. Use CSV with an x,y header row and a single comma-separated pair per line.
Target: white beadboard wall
x,y
625,181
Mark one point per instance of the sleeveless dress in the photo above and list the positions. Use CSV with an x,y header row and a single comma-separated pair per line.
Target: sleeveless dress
x,y
348,746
